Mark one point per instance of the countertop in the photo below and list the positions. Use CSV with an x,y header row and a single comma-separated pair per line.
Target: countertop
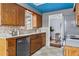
x,y
72,42
21,35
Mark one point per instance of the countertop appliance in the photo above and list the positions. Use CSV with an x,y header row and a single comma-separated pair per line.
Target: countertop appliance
x,y
23,45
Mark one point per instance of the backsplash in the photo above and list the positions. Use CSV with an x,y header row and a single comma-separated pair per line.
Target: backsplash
x,y
7,29
22,29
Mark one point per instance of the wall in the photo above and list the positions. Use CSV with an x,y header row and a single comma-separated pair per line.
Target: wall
x,y
7,30
71,27
46,15
46,21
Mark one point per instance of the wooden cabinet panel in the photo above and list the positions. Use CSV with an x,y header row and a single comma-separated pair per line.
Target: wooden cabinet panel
x,y
71,51
2,47
12,14
8,12
43,39
77,14
33,46
77,8
77,20
37,41
37,20
11,47
20,16
34,20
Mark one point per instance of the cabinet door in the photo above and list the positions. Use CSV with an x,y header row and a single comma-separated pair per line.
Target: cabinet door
x,y
77,19
20,15
11,47
77,8
8,12
34,20
33,44
37,20
36,43
77,14
71,51
43,35
39,41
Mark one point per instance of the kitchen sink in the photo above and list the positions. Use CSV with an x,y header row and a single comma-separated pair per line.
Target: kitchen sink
x,y
73,36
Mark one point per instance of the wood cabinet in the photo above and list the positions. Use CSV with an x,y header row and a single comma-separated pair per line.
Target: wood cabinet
x,y
43,35
20,16
8,47
11,14
11,47
37,20
37,41
77,13
2,47
71,51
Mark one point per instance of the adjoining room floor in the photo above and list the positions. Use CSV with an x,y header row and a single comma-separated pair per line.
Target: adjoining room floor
x,y
49,51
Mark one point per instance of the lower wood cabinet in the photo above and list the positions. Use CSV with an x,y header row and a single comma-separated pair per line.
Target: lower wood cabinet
x,y
71,51
8,46
43,35
11,46
37,41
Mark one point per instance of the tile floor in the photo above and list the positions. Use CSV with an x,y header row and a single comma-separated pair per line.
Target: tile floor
x,y
49,51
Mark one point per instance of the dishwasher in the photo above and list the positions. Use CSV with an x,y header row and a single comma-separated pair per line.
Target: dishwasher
x,y
23,46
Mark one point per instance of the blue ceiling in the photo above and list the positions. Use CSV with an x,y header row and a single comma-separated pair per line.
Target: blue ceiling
x,y
48,7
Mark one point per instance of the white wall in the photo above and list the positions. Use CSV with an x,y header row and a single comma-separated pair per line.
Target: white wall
x,y
46,21
46,15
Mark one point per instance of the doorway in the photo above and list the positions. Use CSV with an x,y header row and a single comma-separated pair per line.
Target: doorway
x,y
56,25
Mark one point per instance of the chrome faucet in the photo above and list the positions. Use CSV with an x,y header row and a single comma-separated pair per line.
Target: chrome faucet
x,y
14,32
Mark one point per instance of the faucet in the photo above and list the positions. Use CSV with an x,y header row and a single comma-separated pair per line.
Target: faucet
x,y
14,32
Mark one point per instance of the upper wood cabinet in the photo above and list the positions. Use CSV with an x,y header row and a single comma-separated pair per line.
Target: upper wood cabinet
x,y
20,16
77,13
11,14
37,20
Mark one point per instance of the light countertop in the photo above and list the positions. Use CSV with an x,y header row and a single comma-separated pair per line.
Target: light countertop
x,y
9,36
72,42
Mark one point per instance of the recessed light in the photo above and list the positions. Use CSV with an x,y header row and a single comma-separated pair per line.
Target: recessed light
x,y
37,4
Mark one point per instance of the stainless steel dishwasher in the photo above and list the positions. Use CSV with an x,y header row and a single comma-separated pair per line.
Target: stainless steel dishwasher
x,y
23,46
